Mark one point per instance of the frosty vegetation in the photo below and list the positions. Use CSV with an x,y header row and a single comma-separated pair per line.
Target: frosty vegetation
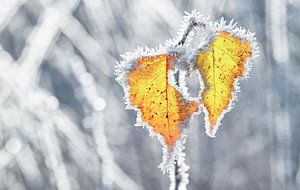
x,y
62,119
185,62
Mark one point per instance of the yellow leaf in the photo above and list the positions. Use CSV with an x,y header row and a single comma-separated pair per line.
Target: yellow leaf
x,y
220,67
162,106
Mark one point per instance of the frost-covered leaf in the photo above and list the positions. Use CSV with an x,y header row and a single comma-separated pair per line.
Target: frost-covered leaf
x,y
161,105
148,81
226,60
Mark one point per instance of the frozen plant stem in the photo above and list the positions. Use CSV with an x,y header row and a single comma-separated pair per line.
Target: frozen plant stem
x,y
177,175
176,168
189,29
179,178
192,23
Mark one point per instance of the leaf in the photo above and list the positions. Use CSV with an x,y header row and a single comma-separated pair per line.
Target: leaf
x,y
162,106
220,67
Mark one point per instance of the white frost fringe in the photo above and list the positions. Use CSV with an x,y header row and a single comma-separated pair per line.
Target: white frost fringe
x,y
180,47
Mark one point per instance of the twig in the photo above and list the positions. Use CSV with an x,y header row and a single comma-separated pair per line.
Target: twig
x,y
177,176
189,29
8,10
180,177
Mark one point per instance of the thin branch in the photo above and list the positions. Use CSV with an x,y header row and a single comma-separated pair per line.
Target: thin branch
x,y
8,10
191,26
179,179
177,176
48,28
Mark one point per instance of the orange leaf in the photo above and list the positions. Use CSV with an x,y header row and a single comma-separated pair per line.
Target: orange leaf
x,y
162,106
220,67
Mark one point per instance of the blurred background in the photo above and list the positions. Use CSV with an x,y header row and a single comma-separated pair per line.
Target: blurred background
x,y
63,123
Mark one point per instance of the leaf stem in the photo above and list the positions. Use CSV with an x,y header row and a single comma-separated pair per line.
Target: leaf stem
x,y
180,177
192,24
177,176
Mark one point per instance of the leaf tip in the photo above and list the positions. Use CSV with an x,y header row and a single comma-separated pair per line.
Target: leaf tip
x,y
211,131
